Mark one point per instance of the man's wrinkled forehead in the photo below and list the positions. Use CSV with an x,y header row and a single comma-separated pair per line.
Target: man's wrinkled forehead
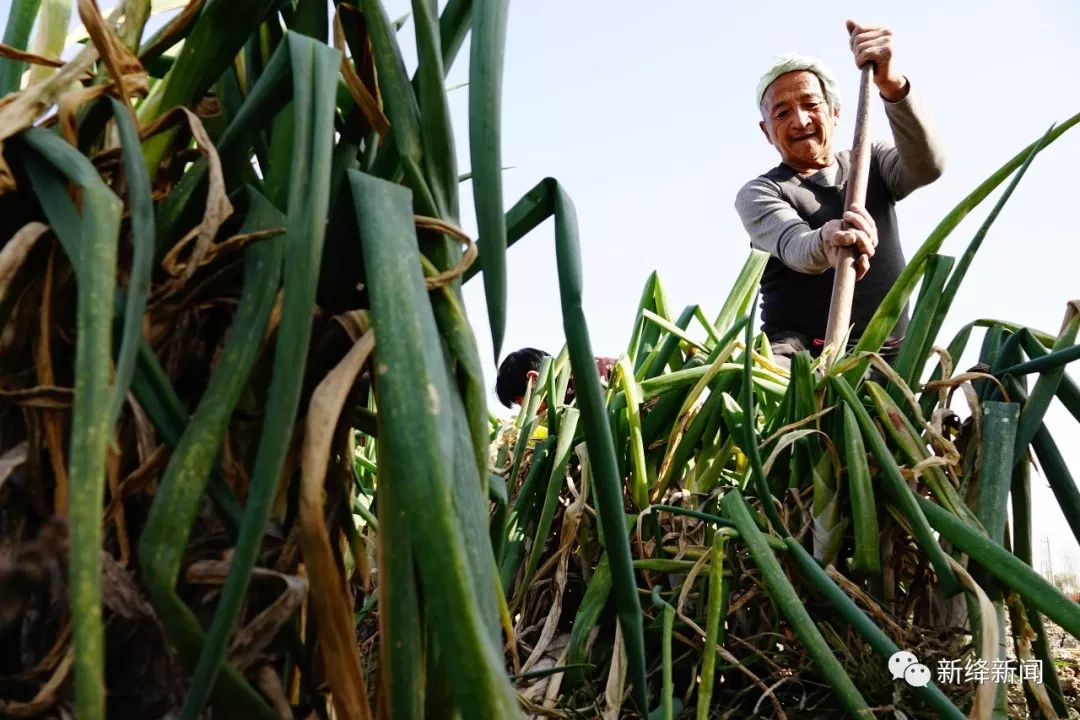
x,y
815,89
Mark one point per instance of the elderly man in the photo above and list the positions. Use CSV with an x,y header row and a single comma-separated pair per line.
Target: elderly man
x,y
795,211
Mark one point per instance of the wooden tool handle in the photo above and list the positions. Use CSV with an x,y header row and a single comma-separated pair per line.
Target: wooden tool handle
x,y
844,280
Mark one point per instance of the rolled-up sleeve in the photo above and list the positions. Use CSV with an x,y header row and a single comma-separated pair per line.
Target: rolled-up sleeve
x,y
775,227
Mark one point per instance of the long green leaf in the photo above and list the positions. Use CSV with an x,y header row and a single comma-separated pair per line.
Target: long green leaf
x,y
994,341
1060,479
470,503
141,210
639,483
399,593
864,511
1013,573
999,423
763,379
670,329
714,627
1068,391
995,477
454,25
1049,361
439,159
532,209
749,438
644,339
884,319
634,349
922,337
457,333
424,144
500,501
738,301
92,248
488,45
920,332
590,400
667,691
417,430
17,34
1046,386
400,106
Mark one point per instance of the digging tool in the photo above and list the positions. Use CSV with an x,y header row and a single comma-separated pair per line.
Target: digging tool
x,y
844,280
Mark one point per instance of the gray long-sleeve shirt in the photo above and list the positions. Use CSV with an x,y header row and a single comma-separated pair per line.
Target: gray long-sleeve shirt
x,y
783,212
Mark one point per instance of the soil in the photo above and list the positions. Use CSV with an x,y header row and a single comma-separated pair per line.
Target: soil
x,y
1065,649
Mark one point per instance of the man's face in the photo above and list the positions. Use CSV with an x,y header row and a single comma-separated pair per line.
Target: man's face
x,y
798,122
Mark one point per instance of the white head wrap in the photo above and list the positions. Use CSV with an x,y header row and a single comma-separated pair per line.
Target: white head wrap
x,y
791,63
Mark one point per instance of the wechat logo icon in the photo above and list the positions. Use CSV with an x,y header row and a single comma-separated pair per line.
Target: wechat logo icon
x,y
904,665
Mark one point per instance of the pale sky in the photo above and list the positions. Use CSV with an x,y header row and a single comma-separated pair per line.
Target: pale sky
x,y
645,113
